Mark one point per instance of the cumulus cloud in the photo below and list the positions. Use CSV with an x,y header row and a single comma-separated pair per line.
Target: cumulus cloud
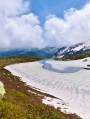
x,y
13,7
74,28
21,29
23,32
18,30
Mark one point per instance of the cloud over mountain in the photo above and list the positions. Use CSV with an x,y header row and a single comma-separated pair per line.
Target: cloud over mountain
x,y
20,28
74,28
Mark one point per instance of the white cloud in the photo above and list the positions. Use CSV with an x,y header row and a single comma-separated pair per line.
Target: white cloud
x,y
18,30
13,7
74,28
21,30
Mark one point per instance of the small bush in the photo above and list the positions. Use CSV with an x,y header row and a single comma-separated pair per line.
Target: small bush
x,y
85,60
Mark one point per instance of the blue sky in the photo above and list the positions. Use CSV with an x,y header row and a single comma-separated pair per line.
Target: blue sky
x,y
43,8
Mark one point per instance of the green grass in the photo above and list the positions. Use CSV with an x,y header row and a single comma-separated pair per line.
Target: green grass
x,y
17,59
18,102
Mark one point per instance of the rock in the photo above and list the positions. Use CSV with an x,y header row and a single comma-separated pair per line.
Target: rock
x,y
2,90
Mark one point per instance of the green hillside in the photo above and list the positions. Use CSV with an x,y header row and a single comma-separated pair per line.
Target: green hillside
x,y
81,55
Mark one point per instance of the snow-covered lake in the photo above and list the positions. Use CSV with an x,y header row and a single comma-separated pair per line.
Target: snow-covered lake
x,y
66,80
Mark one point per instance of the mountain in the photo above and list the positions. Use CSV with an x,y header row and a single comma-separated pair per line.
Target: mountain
x,y
81,55
72,50
44,53
75,57
49,52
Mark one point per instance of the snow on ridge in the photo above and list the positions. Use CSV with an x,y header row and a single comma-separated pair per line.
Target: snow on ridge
x,y
84,46
81,47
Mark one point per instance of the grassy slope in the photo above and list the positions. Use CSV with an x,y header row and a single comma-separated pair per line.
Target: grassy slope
x,y
79,56
18,103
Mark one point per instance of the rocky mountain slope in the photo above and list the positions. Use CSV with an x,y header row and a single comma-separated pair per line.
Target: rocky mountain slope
x,y
72,50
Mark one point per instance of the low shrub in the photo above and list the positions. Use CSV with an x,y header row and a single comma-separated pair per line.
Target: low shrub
x,y
10,111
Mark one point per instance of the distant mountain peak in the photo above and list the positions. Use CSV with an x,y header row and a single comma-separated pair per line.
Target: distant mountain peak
x,y
72,50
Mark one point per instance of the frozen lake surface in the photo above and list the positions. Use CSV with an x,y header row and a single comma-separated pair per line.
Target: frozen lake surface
x,y
49,67
66,80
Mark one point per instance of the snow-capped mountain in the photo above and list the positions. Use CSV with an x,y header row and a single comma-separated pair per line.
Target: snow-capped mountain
x,y
72,50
